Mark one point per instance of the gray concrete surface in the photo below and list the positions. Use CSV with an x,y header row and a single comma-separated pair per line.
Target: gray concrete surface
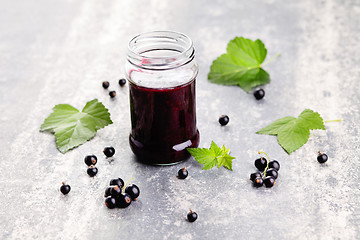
x,y
55,52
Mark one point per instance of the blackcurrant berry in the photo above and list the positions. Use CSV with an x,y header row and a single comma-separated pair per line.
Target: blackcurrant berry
x,y
253,176
112,94
269,181
109,151
122,82
322,157
117,182
258,182
105,84
92,171
259,94
110,202
192,216
274,164
183,173
223,120
272,172
65,189
133,191
123,201
107,192
90,160
115,191
260,164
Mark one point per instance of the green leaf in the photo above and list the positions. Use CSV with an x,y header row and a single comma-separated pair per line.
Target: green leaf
x,y
227,161
203,156
214,156
274,127
312,119
292,133
72,127
241,65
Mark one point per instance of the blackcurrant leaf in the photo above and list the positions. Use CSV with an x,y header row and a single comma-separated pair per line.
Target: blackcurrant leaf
x,y
214,156
292,133
241,65
72,127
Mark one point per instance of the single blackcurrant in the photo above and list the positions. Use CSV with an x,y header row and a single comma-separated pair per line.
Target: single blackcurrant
x,y
65,189
112,94
123,201
253,176
183,173
90,160
107,192
105,84
133,191
192,216
92,171
117,182
272,172
110,202
260,164
259,94
223,120
258,182
274,164
109,151
115,191
269,181
122,82
322,157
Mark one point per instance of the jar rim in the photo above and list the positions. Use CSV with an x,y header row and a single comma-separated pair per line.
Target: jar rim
x,y
180,44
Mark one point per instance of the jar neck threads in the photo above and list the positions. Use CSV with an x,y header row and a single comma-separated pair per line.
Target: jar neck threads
x,y
160,50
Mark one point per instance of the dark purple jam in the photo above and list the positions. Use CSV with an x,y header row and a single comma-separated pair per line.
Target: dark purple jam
x,y
163,123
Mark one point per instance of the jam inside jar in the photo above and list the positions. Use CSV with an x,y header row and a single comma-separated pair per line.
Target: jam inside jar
x,y
161,70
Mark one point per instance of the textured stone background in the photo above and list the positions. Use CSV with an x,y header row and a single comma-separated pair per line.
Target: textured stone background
x,y
60,51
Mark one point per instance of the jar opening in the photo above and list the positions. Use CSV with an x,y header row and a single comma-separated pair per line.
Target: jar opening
x,y
160,50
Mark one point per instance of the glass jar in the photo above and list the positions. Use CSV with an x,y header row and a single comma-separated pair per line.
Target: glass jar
x,y
161,70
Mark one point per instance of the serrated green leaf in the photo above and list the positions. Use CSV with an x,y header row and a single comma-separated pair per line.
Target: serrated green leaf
x,y
247,51
204,156
61,113
72,127
215,148
227,161
273,128
241,65
214,156
312,119
292,133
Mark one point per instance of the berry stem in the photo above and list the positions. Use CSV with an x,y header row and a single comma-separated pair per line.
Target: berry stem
x,y
123,190
336,120
267,163
271,59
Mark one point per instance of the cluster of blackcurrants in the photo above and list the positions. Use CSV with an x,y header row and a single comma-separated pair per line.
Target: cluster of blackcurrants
x,y
91,160
268,173
120,196
112,93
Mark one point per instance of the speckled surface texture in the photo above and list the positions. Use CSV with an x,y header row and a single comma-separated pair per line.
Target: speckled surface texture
x,y
60,51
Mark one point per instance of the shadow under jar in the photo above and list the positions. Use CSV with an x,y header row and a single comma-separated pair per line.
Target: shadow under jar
x,y
161,70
